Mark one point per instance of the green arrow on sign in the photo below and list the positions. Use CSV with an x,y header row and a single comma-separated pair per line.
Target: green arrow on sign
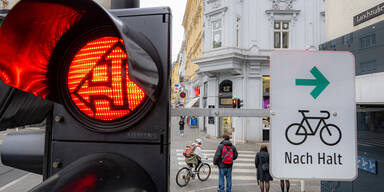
x,y
320,82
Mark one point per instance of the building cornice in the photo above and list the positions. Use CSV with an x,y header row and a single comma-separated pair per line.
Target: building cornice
x,y
229,62
216,11
290,12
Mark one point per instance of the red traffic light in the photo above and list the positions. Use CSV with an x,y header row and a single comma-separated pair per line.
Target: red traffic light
x,y
234,103
98,81
182,94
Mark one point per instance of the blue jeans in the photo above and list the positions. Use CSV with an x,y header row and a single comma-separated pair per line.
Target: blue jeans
x,y
227,172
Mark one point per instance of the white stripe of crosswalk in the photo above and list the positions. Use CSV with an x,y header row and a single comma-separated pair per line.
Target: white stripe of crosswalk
x,y
212,154
211,159
213,151
237,177
253,171
243,167
234,164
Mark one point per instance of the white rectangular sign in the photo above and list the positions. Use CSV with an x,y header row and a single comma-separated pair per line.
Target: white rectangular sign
x,y
313,115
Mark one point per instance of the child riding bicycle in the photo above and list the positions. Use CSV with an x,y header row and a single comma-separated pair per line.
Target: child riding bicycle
x,y
193,154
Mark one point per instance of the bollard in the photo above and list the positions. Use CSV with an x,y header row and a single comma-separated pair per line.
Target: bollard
x,y
302,185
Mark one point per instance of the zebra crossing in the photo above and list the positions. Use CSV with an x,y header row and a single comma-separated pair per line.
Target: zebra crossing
x,y
243,167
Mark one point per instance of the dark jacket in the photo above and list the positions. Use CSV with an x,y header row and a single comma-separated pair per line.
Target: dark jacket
x,y
181,123
217,160
262,158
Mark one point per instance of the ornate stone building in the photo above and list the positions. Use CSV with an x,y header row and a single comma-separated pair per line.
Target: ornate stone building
x,y
193,27
177,75
238,37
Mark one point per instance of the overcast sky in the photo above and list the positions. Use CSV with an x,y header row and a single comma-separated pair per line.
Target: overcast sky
x,y
177,7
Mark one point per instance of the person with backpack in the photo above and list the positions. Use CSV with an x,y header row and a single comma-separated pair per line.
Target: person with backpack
x,y
181,126
286,185
262,166
225,154
193,154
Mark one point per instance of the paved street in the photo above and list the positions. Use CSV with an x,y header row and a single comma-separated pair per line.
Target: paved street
x,y
244,172
15,180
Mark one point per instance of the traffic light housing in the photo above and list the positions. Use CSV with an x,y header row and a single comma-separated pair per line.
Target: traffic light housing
x,y
108,75
234,103
239,103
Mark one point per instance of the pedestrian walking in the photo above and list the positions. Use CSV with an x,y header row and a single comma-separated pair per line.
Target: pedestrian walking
x,y
287,185
262,166
225,154
181,126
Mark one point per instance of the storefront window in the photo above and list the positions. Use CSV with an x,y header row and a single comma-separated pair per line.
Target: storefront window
x,y
266,102
370,125
226,126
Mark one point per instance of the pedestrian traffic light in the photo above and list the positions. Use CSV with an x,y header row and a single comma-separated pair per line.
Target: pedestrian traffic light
x,y
108,75
182,94
239,103
234,103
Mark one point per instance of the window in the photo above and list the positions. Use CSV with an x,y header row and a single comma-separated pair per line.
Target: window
x,y
238,32
348,40
368,41
216,34
205,89
332,45
368,67
281,34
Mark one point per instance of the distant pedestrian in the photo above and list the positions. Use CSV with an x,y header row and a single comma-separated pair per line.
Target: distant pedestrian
x,y
181,126
262,166
225,154
286,185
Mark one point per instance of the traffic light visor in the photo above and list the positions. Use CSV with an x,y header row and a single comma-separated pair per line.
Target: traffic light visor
x,y
36,32
27,42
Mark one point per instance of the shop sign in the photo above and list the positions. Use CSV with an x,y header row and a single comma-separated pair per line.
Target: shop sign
x,y
367,164
197,91
226,101
369,14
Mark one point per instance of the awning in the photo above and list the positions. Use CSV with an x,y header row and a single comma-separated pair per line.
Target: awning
x,y
191,102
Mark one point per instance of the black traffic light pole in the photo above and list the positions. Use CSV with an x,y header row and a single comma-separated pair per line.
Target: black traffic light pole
x,y
93,143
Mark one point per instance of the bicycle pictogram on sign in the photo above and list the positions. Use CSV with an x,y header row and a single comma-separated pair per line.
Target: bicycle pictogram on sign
x,y
297,133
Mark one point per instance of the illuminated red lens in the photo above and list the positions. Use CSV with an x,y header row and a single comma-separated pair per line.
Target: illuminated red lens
x,y
234,101
99,83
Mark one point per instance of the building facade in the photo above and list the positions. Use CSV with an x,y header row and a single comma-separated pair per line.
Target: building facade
x,y
239,36
193,34
175,83
177,76
358,27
